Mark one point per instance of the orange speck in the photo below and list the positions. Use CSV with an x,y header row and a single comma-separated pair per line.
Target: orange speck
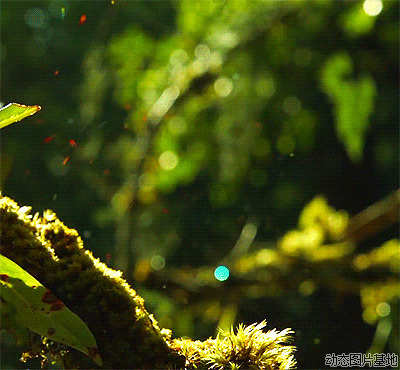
x,y
49,138
127,106
165,211
82,19
56,72
72,142
106,172
66,159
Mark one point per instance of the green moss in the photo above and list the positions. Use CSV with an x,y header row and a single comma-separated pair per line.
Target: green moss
x,y
247,348
126,334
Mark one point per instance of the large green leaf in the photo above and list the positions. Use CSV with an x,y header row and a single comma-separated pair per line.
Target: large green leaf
x,y
41,311
14,112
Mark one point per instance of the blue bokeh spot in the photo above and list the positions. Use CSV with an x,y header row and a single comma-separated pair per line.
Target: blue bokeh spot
x,y
221,273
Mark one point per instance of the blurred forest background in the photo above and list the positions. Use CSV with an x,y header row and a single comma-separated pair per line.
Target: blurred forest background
x,y
181,136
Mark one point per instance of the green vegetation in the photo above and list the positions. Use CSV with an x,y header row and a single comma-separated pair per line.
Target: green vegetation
x,y
13,112
181,136
127,335
38,309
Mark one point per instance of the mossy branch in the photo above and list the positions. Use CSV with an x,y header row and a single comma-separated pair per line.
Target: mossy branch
x,y
321,251
127,335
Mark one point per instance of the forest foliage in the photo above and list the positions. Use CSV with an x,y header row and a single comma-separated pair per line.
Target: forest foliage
x,y
180,136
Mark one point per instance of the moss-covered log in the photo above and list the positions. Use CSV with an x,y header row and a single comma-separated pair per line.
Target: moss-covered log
x,y
127,335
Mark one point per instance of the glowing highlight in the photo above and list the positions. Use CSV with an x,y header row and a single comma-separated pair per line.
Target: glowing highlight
x,y
221,273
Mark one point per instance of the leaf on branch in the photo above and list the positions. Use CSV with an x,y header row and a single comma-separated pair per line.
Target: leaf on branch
x,y
42,312
14,112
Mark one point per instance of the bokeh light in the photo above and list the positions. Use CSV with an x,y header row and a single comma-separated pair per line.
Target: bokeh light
x,y
265,87
202,51
178,56
145,219
225,39
221,273
120,201
36,18
58,166
383,309
157,262
291,105
266,256
307,287
223,86
215,59
372,7
164,103
168,160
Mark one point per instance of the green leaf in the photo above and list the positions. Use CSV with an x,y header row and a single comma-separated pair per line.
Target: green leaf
x,y
42,312
14,112
353,101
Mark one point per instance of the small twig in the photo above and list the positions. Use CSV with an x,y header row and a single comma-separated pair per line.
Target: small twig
x,y
374,219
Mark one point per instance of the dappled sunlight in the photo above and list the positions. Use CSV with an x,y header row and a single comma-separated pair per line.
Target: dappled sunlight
x,y
234,161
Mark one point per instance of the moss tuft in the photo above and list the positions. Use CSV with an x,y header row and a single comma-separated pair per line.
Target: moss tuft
x,y
249,347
